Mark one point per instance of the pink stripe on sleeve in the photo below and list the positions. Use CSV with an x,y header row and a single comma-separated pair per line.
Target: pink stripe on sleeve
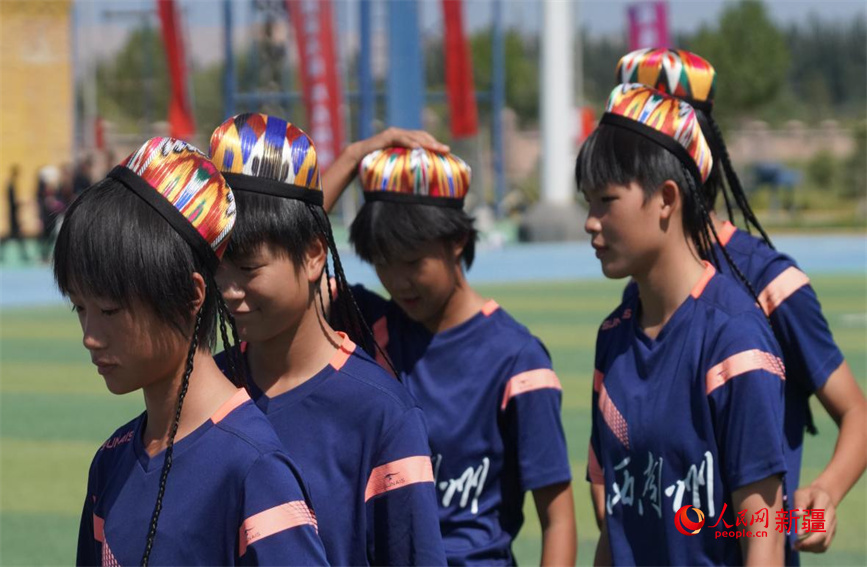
x,y
275,520
741,363
397,474
528,382
779,290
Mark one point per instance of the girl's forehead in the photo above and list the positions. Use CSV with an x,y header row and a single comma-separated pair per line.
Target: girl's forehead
x,y
607,187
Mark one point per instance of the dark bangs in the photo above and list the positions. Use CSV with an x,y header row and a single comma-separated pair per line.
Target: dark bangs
x,y
289,225
114,246
385,231
617,156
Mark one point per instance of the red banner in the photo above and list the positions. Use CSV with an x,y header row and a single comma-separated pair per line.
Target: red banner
x,y
648,25
459,72
181,121
99,133
312,23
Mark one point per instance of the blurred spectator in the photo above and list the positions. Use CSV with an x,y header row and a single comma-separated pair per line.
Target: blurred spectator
x,y
110,160
14,225
66,189
83,175
51,207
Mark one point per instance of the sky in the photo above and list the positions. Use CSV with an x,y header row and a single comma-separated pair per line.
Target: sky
x,y
103,24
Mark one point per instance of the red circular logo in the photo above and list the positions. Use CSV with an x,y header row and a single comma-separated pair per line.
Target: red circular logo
x,y
686,526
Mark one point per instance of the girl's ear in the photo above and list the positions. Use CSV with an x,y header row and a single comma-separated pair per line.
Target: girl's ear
x,y
671,201
200,289
456,247
315,258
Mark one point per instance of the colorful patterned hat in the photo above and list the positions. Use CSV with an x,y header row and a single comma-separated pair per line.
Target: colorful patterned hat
x,y
183,186
415,175
672,71
664,119
265,154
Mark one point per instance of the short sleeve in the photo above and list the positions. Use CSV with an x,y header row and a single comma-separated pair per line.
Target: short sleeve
x,y
795,313
531,402
401,499
278,524
745,381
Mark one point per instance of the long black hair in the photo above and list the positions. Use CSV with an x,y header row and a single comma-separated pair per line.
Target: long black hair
x,y
723,178
617,156
112,245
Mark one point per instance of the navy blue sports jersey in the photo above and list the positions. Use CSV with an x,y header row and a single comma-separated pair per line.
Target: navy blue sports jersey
x,y
809,351
361,442
684,419
232,497
492,404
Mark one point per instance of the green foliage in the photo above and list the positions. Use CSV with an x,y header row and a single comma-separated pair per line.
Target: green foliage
x,y
828,62
134,85
749,54
600,60
821,169
207,96
522,70
855,168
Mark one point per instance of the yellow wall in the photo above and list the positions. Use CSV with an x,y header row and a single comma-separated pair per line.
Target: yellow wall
x,y
36,97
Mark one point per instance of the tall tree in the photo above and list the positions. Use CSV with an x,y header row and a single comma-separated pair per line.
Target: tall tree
x,y
749,54
134,86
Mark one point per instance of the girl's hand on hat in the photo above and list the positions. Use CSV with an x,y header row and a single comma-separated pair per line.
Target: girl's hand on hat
x,y
340,174
405,138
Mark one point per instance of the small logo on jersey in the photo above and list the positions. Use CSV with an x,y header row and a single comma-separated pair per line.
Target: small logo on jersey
x,y
686,526
394,479
615,321
118,440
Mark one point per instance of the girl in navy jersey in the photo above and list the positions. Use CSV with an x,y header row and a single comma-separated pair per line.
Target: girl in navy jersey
x,y
814,363
687,436
490,396
357,434
200,476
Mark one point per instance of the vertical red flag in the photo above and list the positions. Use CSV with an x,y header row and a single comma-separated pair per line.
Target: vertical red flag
x,y
648,25
312,23
459,72
99,133
181,121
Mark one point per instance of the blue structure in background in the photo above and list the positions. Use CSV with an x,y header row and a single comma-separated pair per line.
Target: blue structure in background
x,y
367,109
498,102
405,91
229,81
